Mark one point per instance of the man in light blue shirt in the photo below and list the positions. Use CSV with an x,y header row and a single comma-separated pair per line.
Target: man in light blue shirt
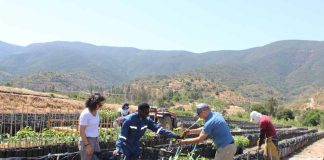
x,y
215,128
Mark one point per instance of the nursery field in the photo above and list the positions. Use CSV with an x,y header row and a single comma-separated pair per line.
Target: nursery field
x,y
55,136
42,126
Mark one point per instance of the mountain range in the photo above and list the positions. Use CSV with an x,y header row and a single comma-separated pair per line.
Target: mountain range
x,y
286,69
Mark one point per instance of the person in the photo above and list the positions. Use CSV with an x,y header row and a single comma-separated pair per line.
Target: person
x,y
133,128
123,110
89,127
267,135
216,128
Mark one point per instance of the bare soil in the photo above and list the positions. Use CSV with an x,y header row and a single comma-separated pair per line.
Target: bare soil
x,y
314,151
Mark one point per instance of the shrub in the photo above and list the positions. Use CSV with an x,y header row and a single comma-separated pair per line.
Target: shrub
x,y
285,114
272,105
241,141
77,96
259,108
312,118
181,112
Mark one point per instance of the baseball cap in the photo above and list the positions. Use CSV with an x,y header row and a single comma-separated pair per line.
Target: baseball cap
x,y
201,107
125,106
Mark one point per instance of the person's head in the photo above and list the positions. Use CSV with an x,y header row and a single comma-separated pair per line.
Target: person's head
x,y
94,102
202,110
255,116
143,110
125,109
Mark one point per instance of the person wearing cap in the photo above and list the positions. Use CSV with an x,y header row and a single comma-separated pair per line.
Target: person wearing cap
x,y
123,110
89,127
133,128
267,135
217,129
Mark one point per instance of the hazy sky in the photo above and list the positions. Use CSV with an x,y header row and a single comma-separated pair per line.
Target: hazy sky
x,y
193,25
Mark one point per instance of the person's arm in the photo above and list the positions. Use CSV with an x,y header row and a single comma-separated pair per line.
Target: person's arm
x,y
194,131
83,135
160,130
123,135
261,137
263,127
202,136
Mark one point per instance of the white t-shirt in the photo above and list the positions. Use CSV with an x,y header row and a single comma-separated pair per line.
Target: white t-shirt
x,y
91,122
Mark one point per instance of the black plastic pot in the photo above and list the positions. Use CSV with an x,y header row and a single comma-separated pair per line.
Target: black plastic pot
x,y
18,153
111,145
70,148
103,145
62,148
34,152
239,150
46,150
23,152
29,153
206,151
2,153
39,152
10,153
53,149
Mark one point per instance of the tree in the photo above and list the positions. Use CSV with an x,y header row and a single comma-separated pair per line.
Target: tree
x,y
259,108
8,84
285,114
141,95
272,105
312,117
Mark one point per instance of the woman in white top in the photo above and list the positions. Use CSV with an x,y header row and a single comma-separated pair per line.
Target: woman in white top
x,y
89,127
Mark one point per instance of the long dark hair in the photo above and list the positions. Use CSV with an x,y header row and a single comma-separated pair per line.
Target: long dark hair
x,y
93,100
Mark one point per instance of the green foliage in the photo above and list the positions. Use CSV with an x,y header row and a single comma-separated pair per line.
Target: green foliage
x,y
182,112
52,95
108,134
77,96
149,135
241,141
272,105
114,99
47,136
245,117
200,122
214,103
259,108
312,117
285,114
8,84
107,114
27,132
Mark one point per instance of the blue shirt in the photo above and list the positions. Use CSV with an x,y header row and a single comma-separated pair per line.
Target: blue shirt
x,y
217,129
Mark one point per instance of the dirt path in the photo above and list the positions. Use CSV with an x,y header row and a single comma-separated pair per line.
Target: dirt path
x,y
312,152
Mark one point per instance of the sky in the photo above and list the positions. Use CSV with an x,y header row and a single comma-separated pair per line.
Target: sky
x,y
192,25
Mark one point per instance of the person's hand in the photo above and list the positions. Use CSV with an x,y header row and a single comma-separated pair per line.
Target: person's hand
x,y
115,152
186,132
258,143
89,149
183,135
178,137
180,142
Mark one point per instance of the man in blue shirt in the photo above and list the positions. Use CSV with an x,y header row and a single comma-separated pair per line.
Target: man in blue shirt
x,y
133,128
217,129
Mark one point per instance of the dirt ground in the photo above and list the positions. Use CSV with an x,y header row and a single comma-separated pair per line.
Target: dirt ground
x,y
314,151
233,110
